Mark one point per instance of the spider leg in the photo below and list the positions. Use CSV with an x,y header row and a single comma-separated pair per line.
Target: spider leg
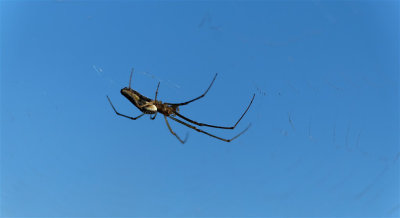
x,y
155,99
132,118
220,127
187,102
130,78
173,133
209,134
158,86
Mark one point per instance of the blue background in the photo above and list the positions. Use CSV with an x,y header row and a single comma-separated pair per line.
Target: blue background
x,y
325,133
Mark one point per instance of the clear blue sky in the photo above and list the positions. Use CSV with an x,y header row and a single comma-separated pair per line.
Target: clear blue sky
x,y
325,133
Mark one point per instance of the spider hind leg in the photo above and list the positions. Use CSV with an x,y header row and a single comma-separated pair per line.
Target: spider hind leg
x,y
173,133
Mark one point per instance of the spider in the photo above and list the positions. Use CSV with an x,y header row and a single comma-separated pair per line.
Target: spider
x,y
171,111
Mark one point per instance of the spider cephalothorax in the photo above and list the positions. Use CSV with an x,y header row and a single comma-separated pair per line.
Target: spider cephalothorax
x,y
171,110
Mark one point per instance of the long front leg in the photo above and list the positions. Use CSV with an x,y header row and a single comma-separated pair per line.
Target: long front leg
x,y
214,126
187,102
209,134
